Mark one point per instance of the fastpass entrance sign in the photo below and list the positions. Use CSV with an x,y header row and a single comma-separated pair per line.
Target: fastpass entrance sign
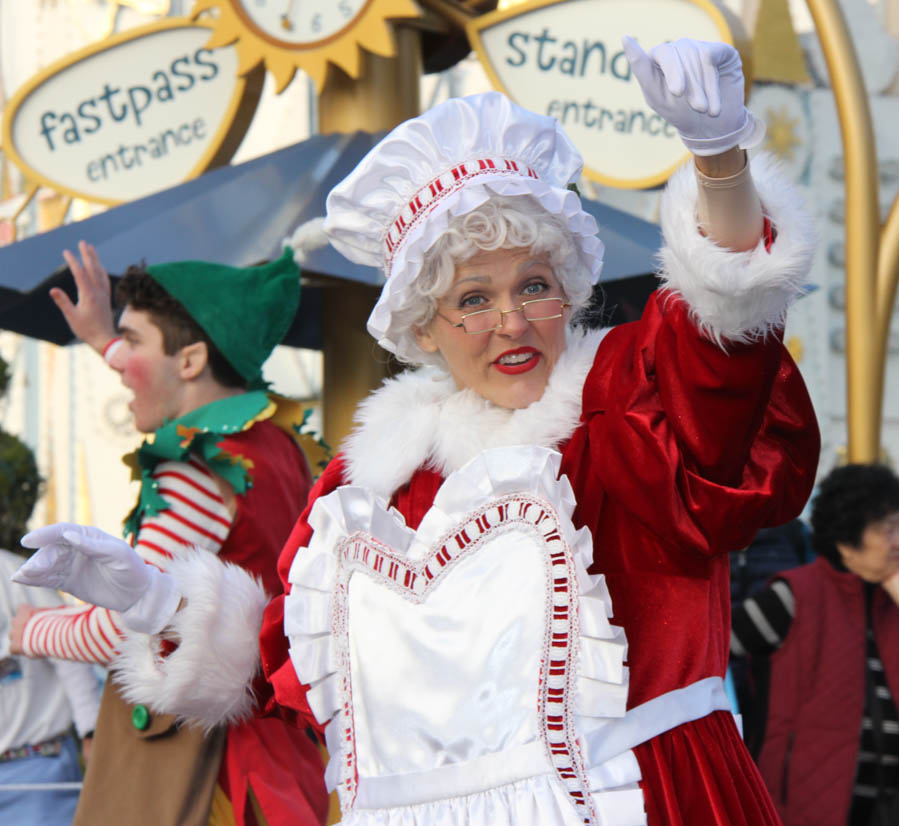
x,y
134,114
563,58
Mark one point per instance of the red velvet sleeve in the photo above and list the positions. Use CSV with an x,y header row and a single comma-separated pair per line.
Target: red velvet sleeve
x,y
702,446
278,690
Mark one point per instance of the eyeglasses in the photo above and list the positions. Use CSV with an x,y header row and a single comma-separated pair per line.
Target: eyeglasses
x,y
485,321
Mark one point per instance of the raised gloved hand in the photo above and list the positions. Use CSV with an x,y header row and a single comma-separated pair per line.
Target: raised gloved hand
x,y
698,88
102,570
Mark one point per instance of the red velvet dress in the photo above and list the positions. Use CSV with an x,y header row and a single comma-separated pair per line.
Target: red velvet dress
x,y
683,453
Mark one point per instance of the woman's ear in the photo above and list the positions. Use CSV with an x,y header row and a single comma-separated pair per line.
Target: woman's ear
x,y
854,560
193,359
846,551
425,339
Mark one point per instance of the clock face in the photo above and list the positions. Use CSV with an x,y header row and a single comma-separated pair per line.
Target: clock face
x,y
297,24
311,35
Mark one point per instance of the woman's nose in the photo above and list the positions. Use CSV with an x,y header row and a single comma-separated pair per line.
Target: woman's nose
x,y
514,323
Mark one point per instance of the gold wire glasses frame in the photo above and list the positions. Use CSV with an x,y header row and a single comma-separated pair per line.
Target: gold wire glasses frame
x,y
486,321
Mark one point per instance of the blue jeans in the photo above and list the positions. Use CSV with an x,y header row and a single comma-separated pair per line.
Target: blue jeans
x,y
39,807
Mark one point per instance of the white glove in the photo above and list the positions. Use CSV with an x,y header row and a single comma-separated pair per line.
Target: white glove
x,y
102,570
698,88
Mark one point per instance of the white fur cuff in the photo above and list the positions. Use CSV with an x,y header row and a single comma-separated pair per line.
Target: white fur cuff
x,y
207,680
737,296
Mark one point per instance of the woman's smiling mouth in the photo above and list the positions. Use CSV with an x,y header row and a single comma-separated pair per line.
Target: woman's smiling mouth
x,y
519,360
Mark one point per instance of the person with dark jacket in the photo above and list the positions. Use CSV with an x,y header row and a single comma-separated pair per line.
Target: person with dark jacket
x,y
752,569
830,631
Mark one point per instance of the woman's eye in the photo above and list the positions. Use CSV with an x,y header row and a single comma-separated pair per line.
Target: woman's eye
x,y
535,288
472,301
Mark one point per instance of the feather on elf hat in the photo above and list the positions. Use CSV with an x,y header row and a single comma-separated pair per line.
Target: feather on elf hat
x,y
399,199
246,311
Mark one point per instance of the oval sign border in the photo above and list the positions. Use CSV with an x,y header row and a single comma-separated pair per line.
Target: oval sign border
x,y
718,15
223,145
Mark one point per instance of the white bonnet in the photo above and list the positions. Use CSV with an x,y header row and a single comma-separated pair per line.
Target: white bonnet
x,y
399,199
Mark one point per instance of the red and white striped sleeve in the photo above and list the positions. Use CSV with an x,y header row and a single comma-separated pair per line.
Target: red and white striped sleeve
x,y
196,517
84,633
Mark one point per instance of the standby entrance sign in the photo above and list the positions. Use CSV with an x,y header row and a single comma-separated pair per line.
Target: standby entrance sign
x,y
134,114
564,58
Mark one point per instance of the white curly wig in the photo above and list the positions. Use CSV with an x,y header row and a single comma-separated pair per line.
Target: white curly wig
x,y
501,222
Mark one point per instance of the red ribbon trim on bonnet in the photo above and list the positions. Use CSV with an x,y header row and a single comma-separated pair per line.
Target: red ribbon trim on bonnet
x,y
443,185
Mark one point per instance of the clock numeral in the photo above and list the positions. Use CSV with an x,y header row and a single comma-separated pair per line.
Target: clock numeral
x,y
345,8
316,24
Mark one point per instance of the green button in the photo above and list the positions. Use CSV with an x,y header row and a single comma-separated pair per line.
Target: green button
x,y
140,718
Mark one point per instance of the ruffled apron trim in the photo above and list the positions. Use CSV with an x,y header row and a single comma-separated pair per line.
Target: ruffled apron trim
x,y
586,738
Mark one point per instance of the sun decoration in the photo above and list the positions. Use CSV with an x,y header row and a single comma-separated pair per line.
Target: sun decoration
x,y
781,138
304,34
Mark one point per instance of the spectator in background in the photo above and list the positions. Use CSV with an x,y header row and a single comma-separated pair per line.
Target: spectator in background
x,y
39,699
830,631
773,550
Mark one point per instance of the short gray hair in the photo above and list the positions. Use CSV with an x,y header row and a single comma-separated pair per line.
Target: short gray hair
x,y
501,222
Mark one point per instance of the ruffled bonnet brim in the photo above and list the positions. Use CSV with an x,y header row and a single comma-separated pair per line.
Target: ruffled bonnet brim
x,y
407,262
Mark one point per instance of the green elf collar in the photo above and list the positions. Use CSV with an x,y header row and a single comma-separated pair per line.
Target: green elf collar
x,y
199,432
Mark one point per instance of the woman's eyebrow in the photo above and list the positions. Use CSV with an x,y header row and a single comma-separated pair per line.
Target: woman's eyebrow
x,y
481,279
531,262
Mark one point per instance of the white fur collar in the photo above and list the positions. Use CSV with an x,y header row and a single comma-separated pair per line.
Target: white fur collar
x,y
419,418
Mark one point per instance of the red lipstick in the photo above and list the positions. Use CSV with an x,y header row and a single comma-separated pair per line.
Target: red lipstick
x,y
519,367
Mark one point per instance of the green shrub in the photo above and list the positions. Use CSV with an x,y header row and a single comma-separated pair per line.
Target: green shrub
x,y
20,482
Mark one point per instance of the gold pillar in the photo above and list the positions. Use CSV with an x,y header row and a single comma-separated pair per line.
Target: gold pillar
x,y
864,366
386,94
776,52
353,362
887,279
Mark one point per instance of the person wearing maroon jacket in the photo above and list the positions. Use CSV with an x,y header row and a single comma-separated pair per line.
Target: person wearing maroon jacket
x,y
223,474
827,636
507,602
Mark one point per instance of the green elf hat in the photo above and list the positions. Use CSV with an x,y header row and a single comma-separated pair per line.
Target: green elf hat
x,y
245,311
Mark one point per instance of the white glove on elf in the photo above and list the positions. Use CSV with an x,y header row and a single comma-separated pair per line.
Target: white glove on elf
x,y
102,570
698,88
